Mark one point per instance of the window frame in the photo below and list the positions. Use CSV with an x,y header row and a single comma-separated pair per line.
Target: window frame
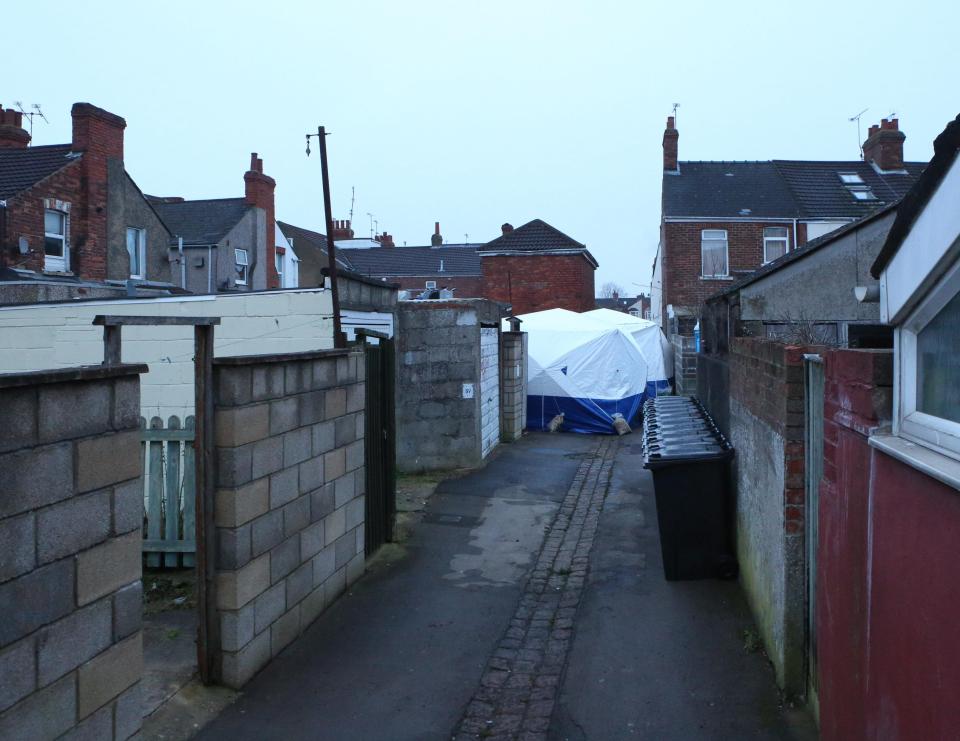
x,y
57,263
937,433
237,264
430,285
785,239
726,254
278,266
141,251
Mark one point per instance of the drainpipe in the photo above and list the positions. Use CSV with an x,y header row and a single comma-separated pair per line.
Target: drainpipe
x,y
209,268
795,245
3,234
183,265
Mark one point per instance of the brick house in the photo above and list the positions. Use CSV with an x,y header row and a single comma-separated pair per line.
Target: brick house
x,y
229,244
722,220
72,210
415,269
536,267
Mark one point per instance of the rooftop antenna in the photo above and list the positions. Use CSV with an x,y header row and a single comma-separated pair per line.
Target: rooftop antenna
x,y
675,106
353,196
371,224
859,139
36,112
466,238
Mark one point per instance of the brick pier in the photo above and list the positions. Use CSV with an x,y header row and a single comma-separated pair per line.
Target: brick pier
x,y
518,690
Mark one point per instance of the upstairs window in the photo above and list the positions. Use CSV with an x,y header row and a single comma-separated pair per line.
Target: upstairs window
x,y
713,253
137,251
278,264
850,178
242,265
56,247
775,243
431,285
856,186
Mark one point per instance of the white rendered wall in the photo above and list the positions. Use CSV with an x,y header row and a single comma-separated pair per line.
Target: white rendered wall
x,y
44,336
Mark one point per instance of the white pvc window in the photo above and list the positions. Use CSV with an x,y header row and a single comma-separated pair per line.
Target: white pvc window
x,y
713,253
278,263
774,243
431,285
863,194
242,264
137,251
850,178
56,246
929,369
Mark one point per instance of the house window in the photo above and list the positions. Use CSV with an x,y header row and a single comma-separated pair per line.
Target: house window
x,y
862,194
56,246
930,369
242,265
713,253
850,178
431,285
278,263
774,243
137,250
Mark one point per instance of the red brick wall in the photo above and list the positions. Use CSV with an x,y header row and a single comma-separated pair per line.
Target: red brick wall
x,y
25,218
465,287
682,268
538,282
887,602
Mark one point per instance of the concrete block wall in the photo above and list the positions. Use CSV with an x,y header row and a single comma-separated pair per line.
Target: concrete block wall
x,y
438,351
766,421
290,483
489,389
71,509
684,364
513,385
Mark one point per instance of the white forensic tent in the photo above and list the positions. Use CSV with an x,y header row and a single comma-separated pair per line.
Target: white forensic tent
x,y
589,368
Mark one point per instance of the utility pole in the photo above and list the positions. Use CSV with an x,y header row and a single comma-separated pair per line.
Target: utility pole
x,y
338,338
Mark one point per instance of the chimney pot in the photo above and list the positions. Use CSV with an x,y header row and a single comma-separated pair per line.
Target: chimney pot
x,y
506,228
12,133
670,149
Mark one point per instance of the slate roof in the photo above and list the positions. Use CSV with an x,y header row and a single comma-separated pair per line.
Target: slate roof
x,y
946,149
779,189
200,222
623,303
459,260
22,168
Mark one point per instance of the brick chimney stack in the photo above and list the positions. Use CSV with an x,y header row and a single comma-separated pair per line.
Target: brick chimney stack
x,y
670,138
436,239
342,229
12,133
884,145
259,192
385,240
97,132
506,228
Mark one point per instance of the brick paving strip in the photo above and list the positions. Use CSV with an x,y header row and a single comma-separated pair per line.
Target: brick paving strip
x,y
519,686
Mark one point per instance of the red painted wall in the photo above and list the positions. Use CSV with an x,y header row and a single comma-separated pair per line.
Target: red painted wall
x,y
538,282
887,592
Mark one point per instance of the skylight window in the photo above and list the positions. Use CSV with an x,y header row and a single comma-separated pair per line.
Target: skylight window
x,y
863,194
850,178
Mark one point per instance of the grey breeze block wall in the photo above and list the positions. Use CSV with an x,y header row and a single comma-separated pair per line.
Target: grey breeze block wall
x,y
513,385
289,506
438,351
71,509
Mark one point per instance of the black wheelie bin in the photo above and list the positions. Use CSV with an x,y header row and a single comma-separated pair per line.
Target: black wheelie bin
x,y
690,461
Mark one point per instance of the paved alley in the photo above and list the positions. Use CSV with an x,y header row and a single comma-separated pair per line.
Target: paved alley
x,y
528,603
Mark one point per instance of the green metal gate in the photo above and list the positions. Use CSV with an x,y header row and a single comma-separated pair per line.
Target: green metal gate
x,y
380,440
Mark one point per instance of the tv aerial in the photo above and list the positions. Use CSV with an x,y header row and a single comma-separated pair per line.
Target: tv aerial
x,y
30,114
859,139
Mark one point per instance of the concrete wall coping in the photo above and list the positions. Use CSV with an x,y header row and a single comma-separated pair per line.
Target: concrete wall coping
x,y
239,360
66,375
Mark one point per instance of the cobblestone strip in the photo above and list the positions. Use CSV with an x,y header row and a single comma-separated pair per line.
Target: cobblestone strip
x,y
519,686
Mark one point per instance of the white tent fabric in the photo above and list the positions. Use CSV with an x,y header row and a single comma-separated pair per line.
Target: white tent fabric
x,y
590,366
645,333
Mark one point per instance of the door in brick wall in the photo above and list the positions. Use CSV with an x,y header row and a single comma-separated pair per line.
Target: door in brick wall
x,y
489,389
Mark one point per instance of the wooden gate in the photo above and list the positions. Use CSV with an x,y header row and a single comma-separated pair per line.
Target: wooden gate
x,y
169,492
380,440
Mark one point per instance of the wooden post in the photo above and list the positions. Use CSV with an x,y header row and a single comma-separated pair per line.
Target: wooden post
x,y
338,337
209,629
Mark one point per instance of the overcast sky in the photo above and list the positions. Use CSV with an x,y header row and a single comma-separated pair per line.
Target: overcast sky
x,y
473,114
